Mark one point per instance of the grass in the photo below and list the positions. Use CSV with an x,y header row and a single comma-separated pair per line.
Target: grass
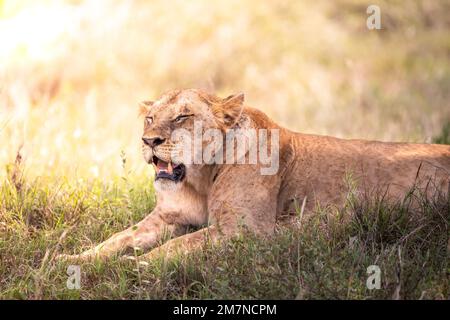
x,y
444,136
322,257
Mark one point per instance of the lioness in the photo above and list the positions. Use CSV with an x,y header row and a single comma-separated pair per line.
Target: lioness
x,y
227,196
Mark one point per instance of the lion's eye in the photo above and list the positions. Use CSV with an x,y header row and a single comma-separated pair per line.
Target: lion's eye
x,y
149,120
181,117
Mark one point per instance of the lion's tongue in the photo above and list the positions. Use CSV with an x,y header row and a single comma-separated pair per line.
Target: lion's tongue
x,y
163,166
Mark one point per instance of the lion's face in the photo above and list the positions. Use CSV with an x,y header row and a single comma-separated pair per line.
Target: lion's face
x,y
178,113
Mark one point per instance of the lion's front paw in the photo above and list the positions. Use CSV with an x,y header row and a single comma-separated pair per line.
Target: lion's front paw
x,y
127,258
71,258
65,257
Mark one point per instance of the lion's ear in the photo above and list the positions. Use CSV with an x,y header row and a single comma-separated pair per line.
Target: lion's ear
x,y
229,110
144,107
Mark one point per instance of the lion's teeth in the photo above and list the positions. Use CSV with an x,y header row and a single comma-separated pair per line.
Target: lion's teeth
x,y
170,168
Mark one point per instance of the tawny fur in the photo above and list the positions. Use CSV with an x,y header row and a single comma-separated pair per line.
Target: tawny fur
x,y
227,198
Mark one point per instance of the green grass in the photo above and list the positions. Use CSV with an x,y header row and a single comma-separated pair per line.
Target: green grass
x,y
444,136
323,257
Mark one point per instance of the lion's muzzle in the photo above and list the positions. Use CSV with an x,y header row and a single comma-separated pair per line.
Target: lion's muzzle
x,y
165,167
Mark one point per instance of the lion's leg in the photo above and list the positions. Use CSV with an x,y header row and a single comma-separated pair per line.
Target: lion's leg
x,y
230,224
188,242
230,210
143,235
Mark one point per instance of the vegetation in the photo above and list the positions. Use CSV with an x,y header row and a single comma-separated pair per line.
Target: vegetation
x,y
444,136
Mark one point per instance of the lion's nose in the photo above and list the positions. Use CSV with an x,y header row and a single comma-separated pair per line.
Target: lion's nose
x,y
153,142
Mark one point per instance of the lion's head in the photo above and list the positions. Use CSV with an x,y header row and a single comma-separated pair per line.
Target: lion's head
x,y
179,111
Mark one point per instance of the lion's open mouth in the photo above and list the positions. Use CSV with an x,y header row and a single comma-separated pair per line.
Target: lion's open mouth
x,y
168,170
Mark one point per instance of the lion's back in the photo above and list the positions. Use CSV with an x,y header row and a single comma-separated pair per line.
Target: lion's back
x,y
324,169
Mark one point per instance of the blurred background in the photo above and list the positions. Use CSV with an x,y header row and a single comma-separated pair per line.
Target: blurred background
x,y
73,72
